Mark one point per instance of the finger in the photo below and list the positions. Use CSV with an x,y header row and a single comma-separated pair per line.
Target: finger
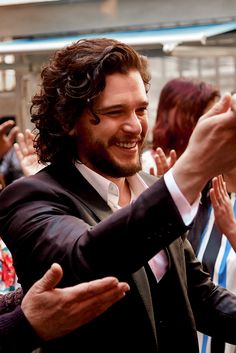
x,y
173,158
100,286
233,106
219,107
21,143
104,300
159,164
161,154
105,284
13,134
215,185
162,157
51,278
162,162
18,151
213,198
224,186
29,138
4,127
221,186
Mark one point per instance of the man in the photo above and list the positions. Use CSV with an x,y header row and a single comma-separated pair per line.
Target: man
x,y
91,211
47,312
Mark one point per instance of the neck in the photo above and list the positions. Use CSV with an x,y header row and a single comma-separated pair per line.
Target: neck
x,y
122,184
124,190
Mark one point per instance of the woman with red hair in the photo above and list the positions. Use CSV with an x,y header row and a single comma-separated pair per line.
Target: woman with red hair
x,y
182,101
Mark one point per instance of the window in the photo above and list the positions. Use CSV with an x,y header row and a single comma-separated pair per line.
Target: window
x,y
7,76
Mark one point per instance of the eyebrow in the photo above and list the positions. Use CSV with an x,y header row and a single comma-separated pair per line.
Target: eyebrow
x,y
117,106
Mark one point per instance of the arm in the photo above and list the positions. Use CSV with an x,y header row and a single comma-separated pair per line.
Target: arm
x,y
16,334
68,229
47,312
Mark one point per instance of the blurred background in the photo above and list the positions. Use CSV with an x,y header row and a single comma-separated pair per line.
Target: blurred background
x,y
180,37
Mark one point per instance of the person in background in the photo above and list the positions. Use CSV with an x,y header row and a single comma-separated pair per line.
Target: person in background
x,y
10,168
223,210
18,159
8,132
93,211
213,238
47,312
213,233
182,101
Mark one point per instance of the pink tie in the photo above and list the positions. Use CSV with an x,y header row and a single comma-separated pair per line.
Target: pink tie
x,y
159,264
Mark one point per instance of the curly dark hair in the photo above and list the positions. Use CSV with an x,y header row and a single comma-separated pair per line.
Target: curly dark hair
x,y
73,78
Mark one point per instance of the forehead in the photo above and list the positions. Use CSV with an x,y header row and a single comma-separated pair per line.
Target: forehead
x,y
121,88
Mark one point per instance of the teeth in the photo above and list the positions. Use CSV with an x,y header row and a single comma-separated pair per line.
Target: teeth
x,y
126,144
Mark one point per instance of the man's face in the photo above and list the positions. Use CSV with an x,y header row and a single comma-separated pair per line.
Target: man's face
x,y
113,146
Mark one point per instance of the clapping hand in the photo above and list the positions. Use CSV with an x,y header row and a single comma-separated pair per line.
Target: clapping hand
x,y
224,215
7,139
163,163
26,153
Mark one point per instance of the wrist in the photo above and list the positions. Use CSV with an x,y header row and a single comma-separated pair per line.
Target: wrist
x,y
189,178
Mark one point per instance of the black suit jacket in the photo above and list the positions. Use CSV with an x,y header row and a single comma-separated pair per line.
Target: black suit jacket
x,y
56,215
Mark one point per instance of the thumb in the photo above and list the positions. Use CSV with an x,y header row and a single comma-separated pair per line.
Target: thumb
x,y
51,278
220,107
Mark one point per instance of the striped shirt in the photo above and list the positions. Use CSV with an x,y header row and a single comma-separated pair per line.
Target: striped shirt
x,y
218,258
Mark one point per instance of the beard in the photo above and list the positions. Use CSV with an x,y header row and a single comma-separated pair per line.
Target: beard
x,y
97,155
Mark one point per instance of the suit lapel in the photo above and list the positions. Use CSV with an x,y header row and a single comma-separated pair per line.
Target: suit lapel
x,y
75,183
142,284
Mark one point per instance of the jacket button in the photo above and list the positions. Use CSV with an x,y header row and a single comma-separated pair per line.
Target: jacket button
x,y
163,323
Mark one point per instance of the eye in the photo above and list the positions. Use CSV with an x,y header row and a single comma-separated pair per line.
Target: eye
x,y
113,113
141,111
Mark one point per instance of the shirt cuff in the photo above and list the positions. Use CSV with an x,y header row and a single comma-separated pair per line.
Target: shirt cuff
x,y
187,211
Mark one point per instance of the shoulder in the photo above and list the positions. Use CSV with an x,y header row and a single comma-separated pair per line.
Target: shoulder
x,y
148,178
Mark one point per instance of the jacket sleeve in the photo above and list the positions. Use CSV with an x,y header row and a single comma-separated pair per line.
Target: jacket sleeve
x,y
41,222
16,334
10,300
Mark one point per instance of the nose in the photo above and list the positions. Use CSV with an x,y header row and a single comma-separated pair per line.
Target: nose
x,y
132,124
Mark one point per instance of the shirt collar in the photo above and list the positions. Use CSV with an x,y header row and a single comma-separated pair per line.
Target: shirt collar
x,y
109,190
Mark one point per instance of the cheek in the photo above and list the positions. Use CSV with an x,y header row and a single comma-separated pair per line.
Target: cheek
x,y
144,124
106,128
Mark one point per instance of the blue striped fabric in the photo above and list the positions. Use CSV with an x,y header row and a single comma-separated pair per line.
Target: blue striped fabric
x,y
219,259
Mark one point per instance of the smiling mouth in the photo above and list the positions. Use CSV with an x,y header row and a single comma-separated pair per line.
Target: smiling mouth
x,y
127,145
